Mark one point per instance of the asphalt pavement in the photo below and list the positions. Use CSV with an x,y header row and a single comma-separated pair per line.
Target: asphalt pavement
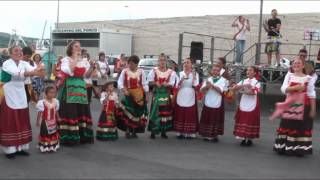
x,y
171,158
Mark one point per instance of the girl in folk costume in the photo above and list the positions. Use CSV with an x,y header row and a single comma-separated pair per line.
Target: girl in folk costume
x,y
212,116
38,82
15,128
160,118
76,123
294,136
133,112
247,118
186,112
107,126
57,74
47,120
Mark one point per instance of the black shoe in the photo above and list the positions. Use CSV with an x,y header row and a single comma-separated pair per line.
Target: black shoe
x,y
215,140
249,143
152,136
299,154
23,153
128,136
180,137
243,143
188,138
164,136
11,156
134,135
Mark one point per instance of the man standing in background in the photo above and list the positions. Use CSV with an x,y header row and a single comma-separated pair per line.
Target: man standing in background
x,y
272,27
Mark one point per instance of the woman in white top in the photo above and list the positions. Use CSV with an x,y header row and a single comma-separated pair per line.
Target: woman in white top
x,y
186,112
247,118
242,26
294,135
212,116
103,68
38,82
15,128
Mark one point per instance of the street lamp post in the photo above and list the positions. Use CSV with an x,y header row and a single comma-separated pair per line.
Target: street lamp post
x,y
258,47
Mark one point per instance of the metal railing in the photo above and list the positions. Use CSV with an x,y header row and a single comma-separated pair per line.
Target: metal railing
x,y
269,75
210,42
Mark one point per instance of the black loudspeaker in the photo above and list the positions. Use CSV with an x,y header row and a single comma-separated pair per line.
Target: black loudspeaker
x,y
196,51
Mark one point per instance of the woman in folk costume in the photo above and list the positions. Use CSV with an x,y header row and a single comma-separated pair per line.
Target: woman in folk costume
x,y
308,70
107,126
212,116
15,128
133,112
186,112
160,117
76,123
47,120
294,135
247,118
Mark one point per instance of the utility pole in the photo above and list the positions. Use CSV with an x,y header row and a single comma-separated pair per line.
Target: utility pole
x,y
58,10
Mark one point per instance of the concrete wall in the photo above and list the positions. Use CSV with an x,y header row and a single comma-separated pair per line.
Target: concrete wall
x,y
153,36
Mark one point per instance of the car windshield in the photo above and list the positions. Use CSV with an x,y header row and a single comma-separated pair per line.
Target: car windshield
x,y
112,60
148,62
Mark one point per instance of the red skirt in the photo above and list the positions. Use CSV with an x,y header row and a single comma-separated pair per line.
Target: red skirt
x,y
15,128
186,119
247,124
212,122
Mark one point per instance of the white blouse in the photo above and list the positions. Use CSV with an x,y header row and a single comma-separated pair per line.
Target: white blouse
x,y
104,66
213,98
290,77
113,96
139,73
40,105
87,65
28,79
161,74
186,96
65,65
14,91
249,102
37,66
226,87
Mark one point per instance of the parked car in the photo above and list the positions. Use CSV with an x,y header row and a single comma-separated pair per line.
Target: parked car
x,y
112,59
148,63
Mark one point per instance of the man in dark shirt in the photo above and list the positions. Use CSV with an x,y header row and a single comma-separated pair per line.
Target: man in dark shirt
x,y
272,27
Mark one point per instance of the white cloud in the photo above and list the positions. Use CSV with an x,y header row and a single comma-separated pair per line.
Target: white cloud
x,y
28,17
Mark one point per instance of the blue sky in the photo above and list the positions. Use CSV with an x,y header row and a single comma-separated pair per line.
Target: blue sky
x,y
28,17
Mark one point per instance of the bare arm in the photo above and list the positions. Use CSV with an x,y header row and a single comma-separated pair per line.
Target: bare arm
x,y
234,23
312,108
39,119
248,25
